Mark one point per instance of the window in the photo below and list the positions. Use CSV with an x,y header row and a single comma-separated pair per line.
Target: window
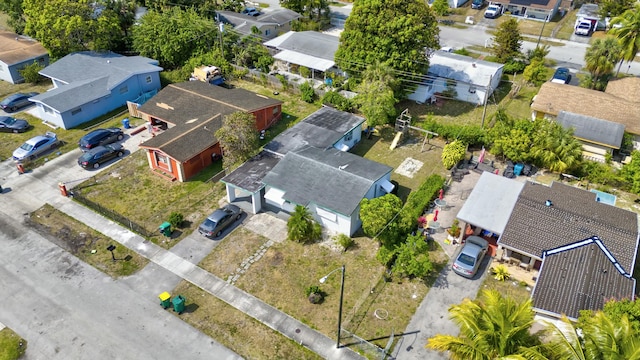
x,y
348,136
48,110
276,110
472,89
148,79
124,89
267,32
75,111
163,161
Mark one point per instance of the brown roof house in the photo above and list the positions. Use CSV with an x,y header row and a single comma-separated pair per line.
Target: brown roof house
x,y
584,248
598,118
184,118
16,52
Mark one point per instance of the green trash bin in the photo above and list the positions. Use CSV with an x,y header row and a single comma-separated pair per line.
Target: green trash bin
x,y
165,299
178,304
165,228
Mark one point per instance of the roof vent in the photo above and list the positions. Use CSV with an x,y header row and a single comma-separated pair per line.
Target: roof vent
x,y
473,64
342,167
108,61
548,203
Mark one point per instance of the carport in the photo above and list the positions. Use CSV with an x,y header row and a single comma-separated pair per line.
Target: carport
x,y
490,203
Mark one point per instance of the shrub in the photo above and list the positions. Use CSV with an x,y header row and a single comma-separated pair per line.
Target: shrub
x,y
283,81
500,273
344,241
307,93
30,73
176,219
514,67
314,294
462,51
417,202
304,72
453,153
301,227
338,101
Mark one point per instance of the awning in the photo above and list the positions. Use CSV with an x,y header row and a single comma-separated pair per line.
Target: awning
x,y
275,196
309,61
387,186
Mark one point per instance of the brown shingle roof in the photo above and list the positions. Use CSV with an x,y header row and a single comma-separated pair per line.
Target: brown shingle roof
x,y
575,215
626,88
580,276
553,98
15,49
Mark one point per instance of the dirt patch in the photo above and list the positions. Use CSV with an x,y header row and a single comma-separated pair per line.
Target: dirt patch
x,y
409,167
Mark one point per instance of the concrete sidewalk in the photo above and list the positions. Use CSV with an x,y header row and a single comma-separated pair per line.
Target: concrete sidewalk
x,y
250,305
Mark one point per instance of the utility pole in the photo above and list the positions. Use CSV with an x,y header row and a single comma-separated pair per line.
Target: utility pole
x,y
486,98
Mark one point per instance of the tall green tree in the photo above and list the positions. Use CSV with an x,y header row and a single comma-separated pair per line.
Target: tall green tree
x,y
315,10
613,8
65,26
301,227
507,41
13,9
600,59
536,73
412,258
493,327
377,214
555,147
395,33
441,7
628,34
173,36
631,172
617,309
238,138
376,99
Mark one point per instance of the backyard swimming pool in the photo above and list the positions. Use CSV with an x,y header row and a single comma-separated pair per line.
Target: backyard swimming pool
x,y
605,198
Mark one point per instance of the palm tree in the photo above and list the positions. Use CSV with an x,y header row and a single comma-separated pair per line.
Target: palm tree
x,y
598,338
555,147
301,227
628,34
600,60
493,328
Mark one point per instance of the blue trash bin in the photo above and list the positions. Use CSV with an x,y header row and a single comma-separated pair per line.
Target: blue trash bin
x,y
125,123
517,169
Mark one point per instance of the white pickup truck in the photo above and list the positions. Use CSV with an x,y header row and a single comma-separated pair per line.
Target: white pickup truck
x,y
493,11
583,27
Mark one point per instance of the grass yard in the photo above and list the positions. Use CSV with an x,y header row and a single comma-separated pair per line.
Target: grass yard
x,y
508,288
80,240
235,330
149,199
12,346
287,269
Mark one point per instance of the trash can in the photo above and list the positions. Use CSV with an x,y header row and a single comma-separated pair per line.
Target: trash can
x,y
165,299
165,228
125,123
517,169
178,304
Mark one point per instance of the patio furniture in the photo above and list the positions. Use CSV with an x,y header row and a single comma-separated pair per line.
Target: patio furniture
x,y
525,263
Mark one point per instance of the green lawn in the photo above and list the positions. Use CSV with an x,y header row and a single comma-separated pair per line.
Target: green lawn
x,y
12,346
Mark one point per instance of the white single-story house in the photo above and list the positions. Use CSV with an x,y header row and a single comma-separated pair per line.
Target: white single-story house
x,y
473,80
16,52
268,25
89,84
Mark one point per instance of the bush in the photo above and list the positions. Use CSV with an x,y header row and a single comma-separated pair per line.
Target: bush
x,y
453,153
176,219
338,101
307,93
30,73
304,72
500,273
469,134
344,241
283,81
314,294
462,51
301,227
417,202
514,67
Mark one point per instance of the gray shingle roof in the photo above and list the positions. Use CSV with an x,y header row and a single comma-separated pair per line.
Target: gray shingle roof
x,y
321,129
89,65
580,276
592,129
310,43
67,97
278,16
330,178
250,174
575,215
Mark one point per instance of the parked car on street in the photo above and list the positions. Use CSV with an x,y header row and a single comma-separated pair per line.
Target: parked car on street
x,y
561,76
13,125
470,256
219,220
477,4
36,146
100,155
100,137
16,101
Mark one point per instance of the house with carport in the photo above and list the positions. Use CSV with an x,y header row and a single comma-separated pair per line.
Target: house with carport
x,y
531,9
184,117
583,249
473,80
266,26
309,165
88,84
16,52
595,116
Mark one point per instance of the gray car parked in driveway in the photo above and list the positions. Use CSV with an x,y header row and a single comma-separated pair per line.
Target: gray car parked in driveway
x,y
470,257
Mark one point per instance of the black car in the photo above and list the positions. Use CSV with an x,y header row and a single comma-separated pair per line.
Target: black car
x,y
13,125
100,137
219,220
16,101
99,155
477,4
